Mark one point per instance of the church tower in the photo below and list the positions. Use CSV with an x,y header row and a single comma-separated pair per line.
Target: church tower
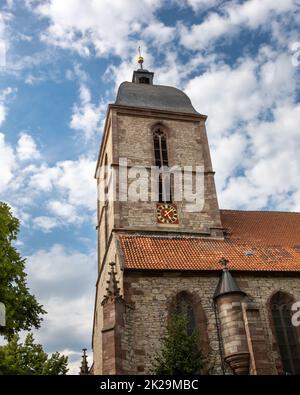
x,y
148,126
161,236
153,125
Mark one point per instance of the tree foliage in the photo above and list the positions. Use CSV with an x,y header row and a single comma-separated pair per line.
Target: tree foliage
x,y
23,312
22,309
30,359
180,353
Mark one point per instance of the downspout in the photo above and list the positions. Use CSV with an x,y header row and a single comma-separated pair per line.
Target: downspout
x,y
220,340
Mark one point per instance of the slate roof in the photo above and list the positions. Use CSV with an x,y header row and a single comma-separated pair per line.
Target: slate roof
x,y
158,97
226,285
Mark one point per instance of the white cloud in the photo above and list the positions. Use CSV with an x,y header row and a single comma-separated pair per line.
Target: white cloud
x,y
233,96
44,177
66,213
3,42
4,94
104,26
86,116
252,126
232,18
57,272
68,186
274,170
63,282
68,323
215,93
10,3
2,113
71,179
230,153
62,209
77,179
199,5
7,161
45,223
32,79
26,148
158,33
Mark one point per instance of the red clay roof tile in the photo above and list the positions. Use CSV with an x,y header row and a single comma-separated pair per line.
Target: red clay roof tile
x,y
263,227
257,241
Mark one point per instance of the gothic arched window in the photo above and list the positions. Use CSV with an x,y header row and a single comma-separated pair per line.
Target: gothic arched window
x,y
160,147
286,334
184,305
161,160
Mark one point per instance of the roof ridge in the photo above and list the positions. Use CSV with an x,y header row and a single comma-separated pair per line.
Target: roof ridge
x,y
164,86
260,211
173,236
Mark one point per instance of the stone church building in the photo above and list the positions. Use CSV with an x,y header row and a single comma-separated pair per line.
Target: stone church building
x,y
154,254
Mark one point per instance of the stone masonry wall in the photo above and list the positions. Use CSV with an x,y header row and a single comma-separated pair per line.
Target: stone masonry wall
x,y
187,146
111,256
102,182
150,295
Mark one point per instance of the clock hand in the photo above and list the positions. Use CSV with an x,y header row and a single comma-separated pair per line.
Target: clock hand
x,y
168,212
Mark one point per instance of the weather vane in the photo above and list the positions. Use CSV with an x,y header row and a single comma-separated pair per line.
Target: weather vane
x,y
140,58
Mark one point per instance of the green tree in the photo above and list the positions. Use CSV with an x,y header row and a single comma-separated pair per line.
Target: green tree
x,y
180,353
22,309
23,312
30,359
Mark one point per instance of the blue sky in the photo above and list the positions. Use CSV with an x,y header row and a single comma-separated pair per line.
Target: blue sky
x,y
60,65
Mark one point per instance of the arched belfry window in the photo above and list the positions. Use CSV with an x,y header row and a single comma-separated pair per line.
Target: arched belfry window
x,y
160,147
286,334
161,160
184,305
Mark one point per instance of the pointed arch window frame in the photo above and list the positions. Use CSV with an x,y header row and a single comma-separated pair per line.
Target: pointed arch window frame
x,y
199,314
280,302
106,224
161,158
183,301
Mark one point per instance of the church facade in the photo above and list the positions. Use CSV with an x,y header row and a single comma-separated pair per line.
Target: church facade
x,y
154,253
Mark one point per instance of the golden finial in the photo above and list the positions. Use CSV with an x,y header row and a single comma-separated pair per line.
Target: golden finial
x,y
140,58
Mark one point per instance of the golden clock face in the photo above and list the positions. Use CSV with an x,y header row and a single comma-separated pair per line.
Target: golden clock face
x,y
167,213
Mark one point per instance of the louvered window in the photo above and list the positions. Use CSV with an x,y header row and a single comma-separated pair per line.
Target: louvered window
x,y
161,160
